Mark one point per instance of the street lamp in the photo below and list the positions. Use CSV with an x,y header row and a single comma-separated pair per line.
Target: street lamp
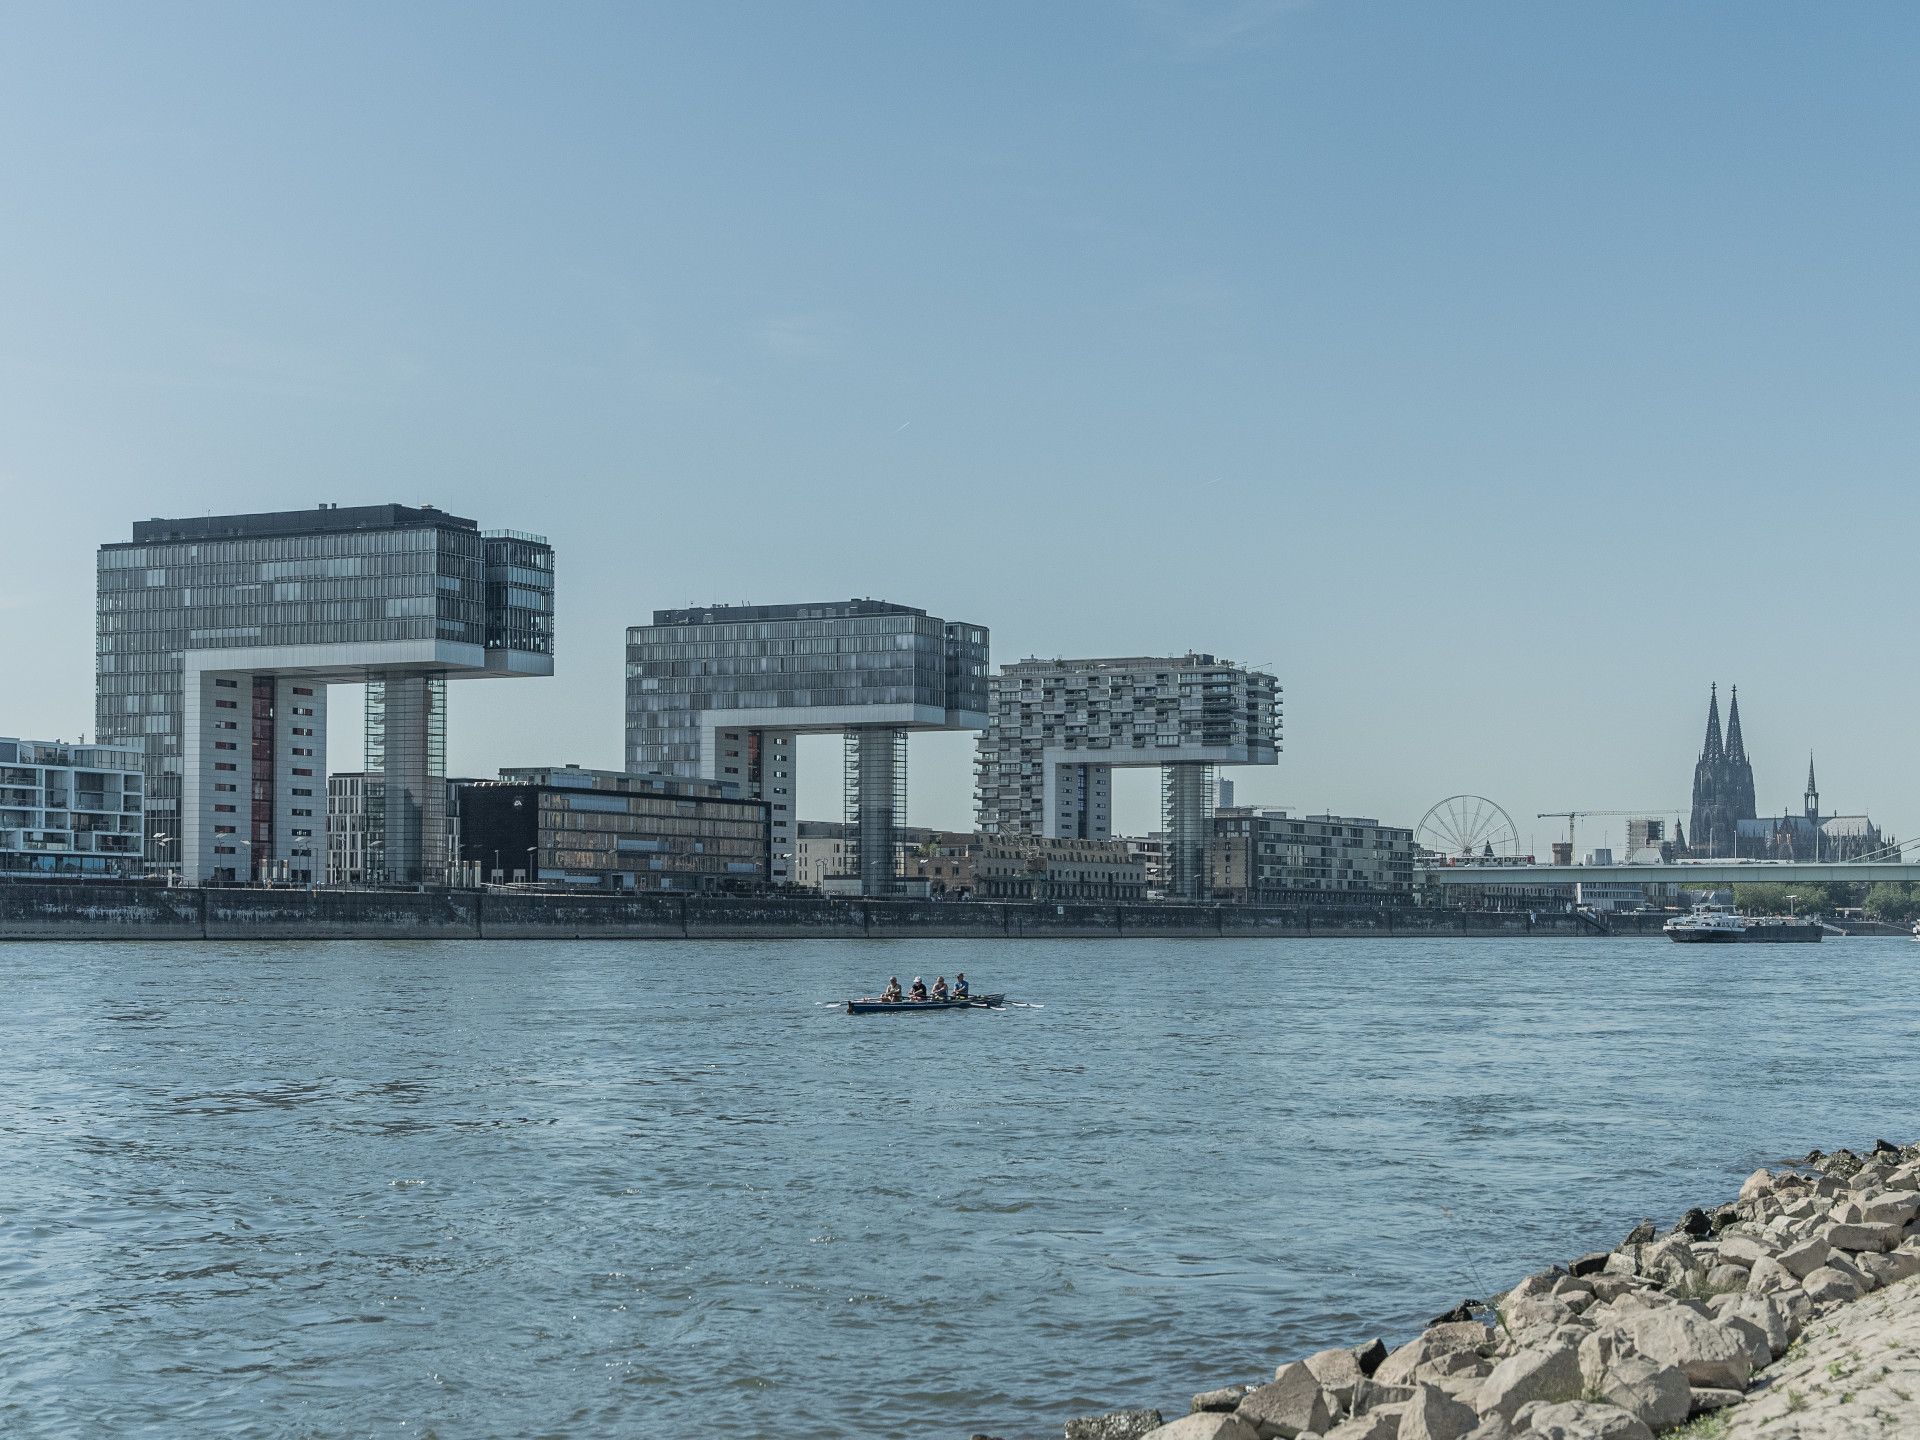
x,y
159,837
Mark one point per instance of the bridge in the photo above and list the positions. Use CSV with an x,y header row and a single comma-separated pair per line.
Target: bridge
x,y
1694,874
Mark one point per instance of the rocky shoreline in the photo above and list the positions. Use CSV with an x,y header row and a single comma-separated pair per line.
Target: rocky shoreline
x,y
1663,1334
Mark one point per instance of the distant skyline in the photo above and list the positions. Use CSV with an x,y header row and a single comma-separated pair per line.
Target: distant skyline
x,y
1497,376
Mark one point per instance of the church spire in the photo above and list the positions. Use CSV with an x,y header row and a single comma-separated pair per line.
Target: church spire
x,y
1736,746
1713,750
1813,791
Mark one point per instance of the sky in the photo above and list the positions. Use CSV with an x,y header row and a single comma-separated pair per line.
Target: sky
x,y
1498,375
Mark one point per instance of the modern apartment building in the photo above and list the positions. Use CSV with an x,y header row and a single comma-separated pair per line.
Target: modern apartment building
x,y
219,635
1270,857
70,809
720,693
1059,727
603,829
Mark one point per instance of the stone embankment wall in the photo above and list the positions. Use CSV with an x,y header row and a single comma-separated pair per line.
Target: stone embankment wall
x,y
1739,1321
89,910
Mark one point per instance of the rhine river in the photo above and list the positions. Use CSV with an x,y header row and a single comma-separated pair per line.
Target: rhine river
x,y
666,1189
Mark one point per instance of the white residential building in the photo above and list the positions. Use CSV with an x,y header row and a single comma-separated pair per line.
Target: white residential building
x,y
70,809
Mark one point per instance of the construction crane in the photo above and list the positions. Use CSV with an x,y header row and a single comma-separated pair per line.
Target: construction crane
x,y
1570,816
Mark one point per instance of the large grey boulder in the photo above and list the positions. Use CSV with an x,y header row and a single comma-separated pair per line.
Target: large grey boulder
x,y
1205,1427
1769,1275
1671,1259
1758,1348
1583,1420
1707,1351
1468,1335
1891,1268
1827,1284
1863,1236
1529,1319
1742,1250
1540,1372
1339,1374
1808,1256
1893,1207
1757,1184
1764,1312
1655,1394
1114,1425
1433,1414
1291,1404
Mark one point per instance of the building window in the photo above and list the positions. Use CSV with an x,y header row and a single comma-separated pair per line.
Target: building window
x,y
224,809
228,685
225,745
225,765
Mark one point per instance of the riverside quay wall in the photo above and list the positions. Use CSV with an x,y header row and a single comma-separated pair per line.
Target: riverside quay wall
x,y
98,910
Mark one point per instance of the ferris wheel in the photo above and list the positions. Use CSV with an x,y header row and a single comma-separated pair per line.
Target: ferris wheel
x,y
1467,827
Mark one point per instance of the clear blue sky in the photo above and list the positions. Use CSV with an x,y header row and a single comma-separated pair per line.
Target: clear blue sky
x,y
1498,374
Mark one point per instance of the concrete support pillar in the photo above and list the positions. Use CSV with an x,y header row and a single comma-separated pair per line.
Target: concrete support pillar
x,y
876,802
407,763
1186,812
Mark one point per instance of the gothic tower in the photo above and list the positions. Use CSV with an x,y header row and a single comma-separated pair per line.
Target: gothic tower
x,y
1722,783
1813,793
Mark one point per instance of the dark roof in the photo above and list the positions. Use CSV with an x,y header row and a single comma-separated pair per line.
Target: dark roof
x,y
323,519
823,610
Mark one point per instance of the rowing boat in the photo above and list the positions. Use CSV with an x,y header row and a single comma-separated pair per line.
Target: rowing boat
x,y
870,1006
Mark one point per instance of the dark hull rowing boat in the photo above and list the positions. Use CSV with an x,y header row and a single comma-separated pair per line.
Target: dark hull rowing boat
x,y
896,1007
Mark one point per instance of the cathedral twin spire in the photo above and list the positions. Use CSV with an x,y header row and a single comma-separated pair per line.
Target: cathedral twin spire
x,y
1722,781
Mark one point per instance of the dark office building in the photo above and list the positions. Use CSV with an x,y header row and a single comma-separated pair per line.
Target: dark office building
x,y
600,829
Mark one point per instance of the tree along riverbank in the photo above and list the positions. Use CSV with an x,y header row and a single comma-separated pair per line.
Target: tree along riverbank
x,y
1745,1319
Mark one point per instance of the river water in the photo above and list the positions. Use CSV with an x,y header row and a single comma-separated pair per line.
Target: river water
x,y
668,1189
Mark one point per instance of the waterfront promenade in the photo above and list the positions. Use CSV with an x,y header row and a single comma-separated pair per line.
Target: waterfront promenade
x,y
88,910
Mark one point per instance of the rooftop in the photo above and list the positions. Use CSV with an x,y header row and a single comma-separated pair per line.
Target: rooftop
x,y
821,610
323,519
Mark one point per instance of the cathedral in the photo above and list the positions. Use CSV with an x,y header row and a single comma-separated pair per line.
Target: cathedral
x,y
1725,824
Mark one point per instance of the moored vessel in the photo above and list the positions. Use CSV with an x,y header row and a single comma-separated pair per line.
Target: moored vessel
x,y
1705,923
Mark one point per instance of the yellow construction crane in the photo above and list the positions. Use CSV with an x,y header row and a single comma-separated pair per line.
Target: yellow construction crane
x,y
1572,815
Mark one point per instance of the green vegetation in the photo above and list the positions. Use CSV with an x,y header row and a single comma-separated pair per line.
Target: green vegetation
x,y
1810,899
1892,902
1710,1426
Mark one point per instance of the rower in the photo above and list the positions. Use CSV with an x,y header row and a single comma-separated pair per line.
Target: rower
x,y
940,988
960,985
892,993
919,991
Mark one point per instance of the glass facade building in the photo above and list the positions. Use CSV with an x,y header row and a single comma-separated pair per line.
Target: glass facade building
x,y
719,692
601,829
218,635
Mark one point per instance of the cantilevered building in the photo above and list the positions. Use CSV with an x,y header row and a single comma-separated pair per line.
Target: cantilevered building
x,y
720,692
219,635
1058,727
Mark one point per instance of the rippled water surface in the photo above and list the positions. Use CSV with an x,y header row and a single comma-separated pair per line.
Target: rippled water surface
x,y
605,1188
